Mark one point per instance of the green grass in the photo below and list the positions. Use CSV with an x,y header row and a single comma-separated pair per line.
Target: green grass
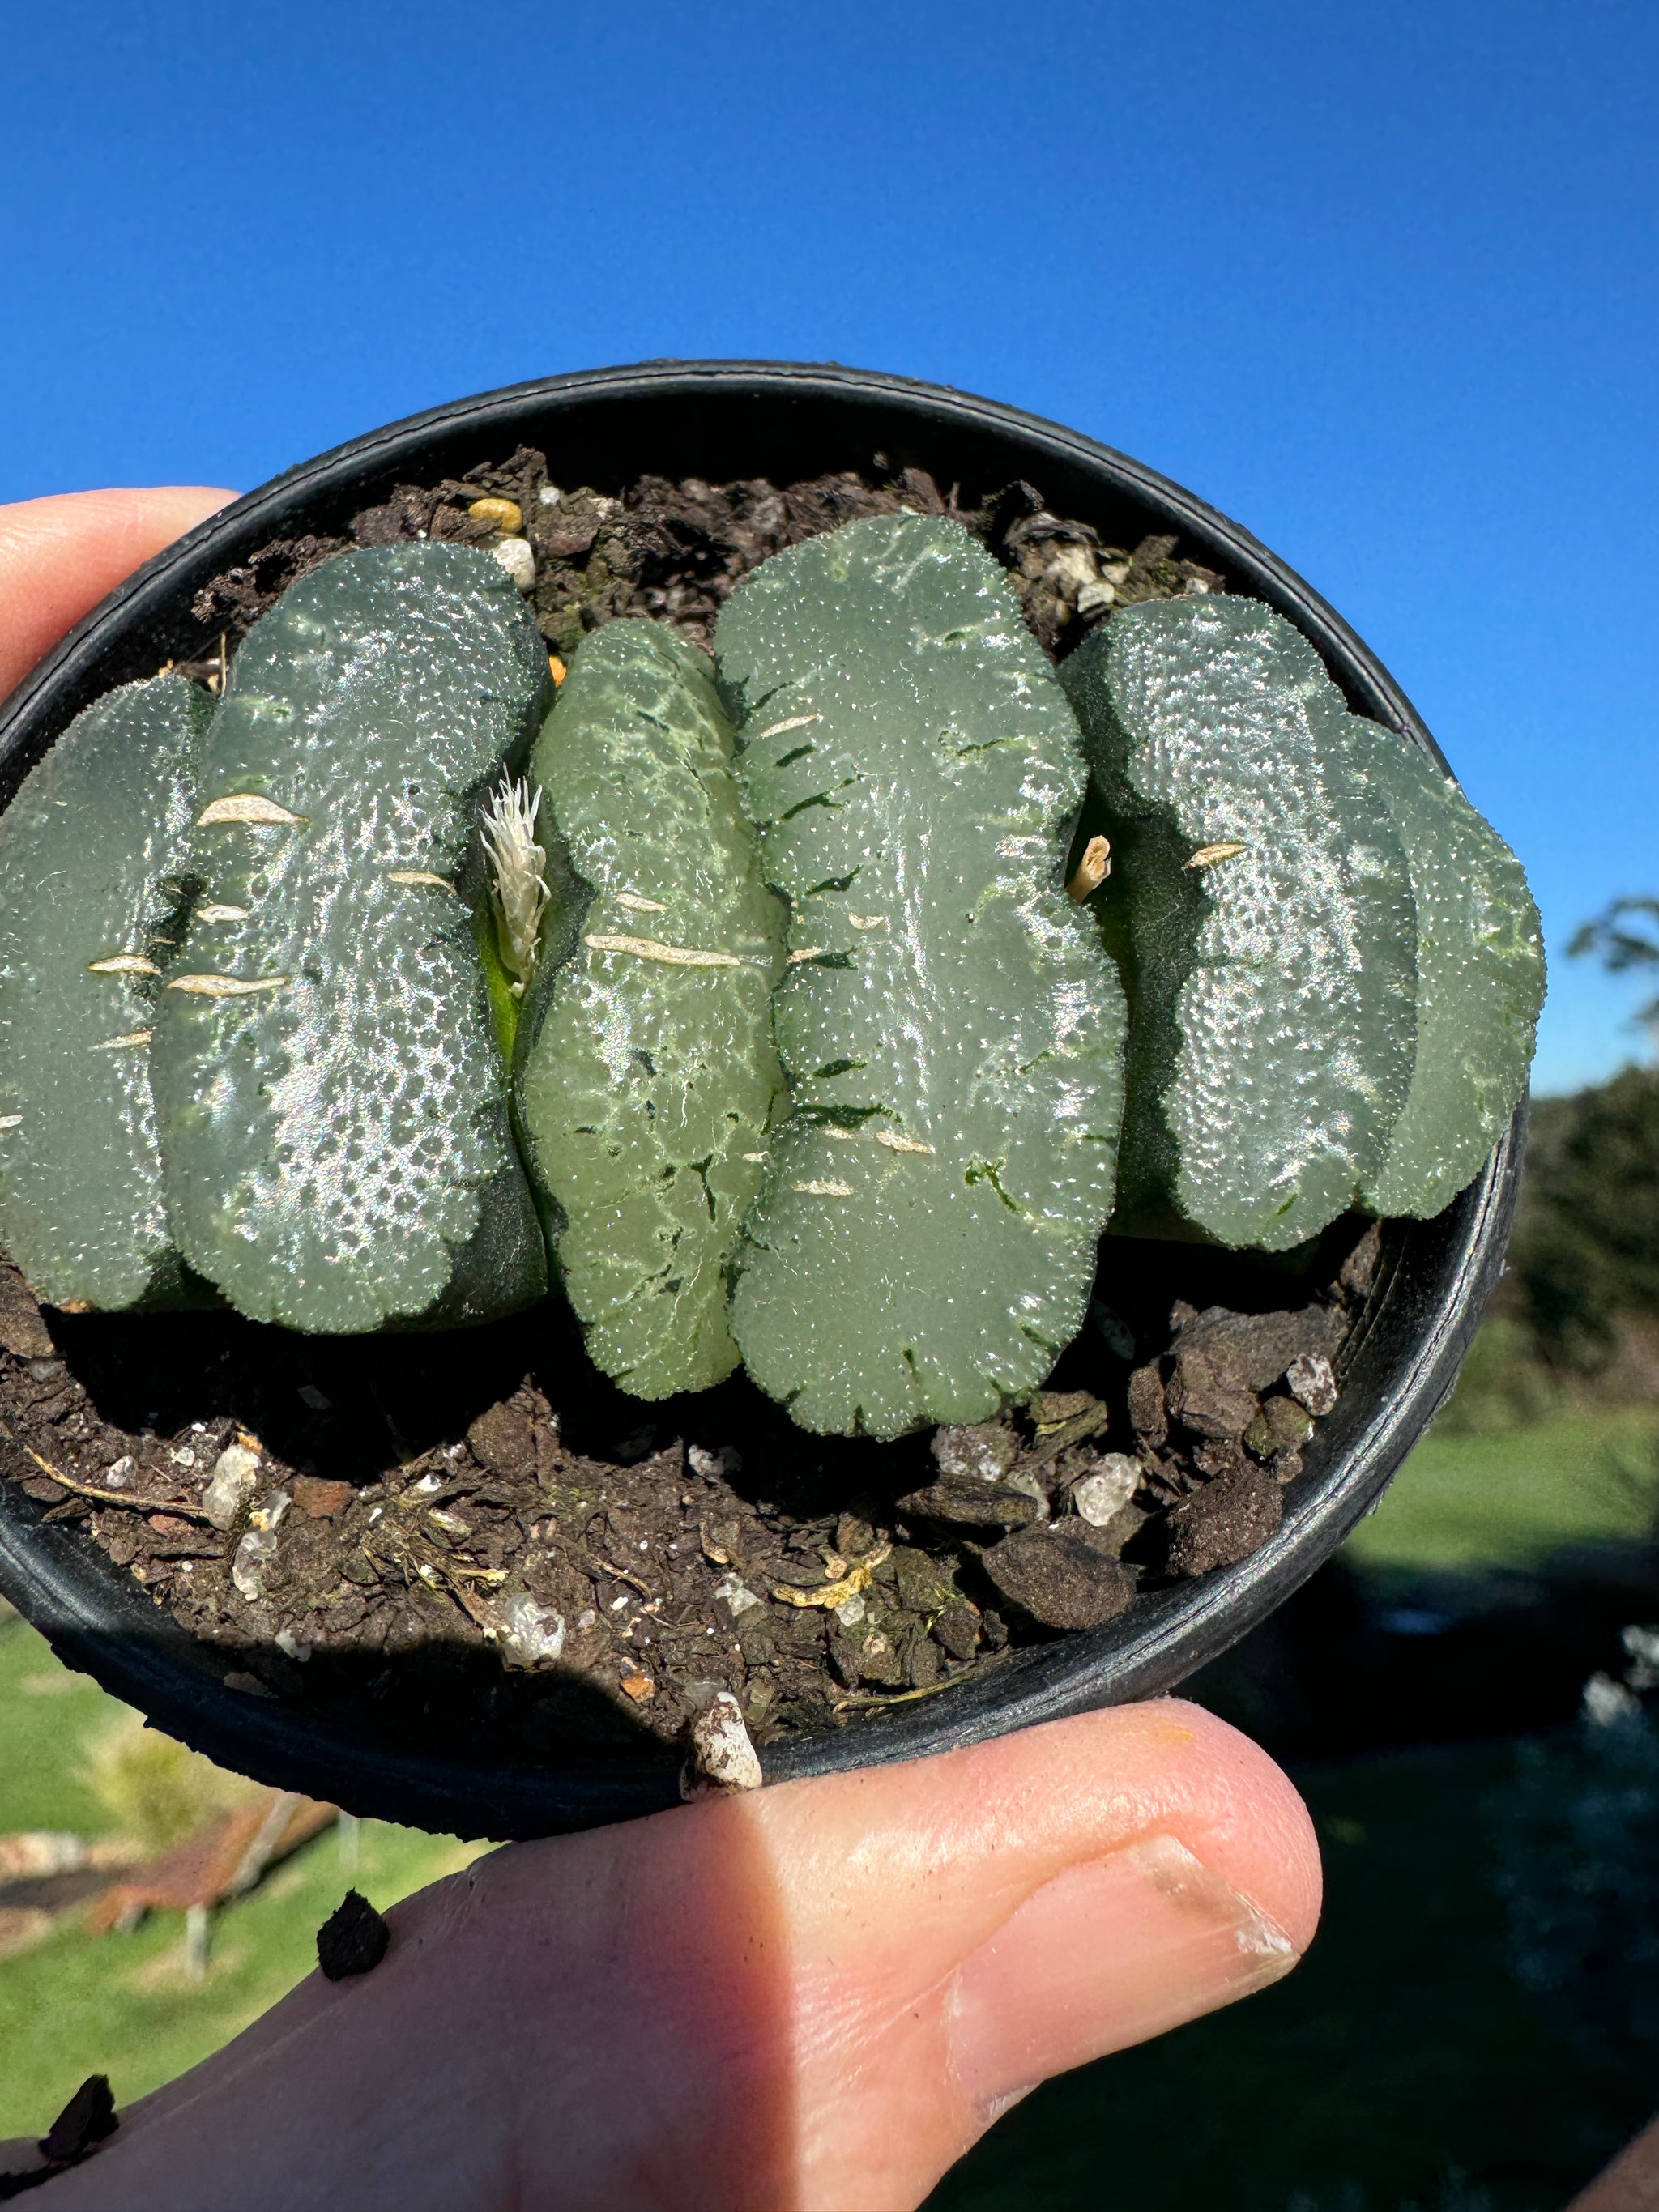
x,y
120,2004
47,1716
1511,1498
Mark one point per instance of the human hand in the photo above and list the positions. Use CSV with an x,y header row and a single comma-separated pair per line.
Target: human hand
x,y
810,1999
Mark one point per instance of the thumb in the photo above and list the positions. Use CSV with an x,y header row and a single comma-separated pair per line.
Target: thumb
x,y
810,2000
59,556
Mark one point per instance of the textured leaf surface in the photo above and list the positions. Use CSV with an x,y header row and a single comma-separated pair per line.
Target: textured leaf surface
x,y
84,850
651,1082
1479,982
924,1240
336,1136
1273,991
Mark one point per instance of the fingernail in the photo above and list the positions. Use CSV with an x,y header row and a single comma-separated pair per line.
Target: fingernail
x,y
1105,1955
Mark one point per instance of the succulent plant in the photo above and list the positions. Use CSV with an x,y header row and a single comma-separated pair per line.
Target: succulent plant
x,y
1480,982
1333,964
769,971
923,1242
87,906
330,1088
647,1076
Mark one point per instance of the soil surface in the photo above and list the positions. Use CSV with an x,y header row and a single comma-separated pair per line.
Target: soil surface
x,y
477,1544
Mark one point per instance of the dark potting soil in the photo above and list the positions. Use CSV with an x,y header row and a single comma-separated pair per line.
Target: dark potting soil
x,y
477,1541
675,551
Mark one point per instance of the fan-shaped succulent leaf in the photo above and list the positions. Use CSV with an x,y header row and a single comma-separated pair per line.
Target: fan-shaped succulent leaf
x,y
924,1240
1479,982
331,1094
1262,908
648,1076
87,902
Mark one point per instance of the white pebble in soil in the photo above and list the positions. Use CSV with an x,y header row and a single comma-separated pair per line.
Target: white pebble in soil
x,y
1312,1382
722,1757
1107,1489
531,1633
234,1473
515,556
736,1594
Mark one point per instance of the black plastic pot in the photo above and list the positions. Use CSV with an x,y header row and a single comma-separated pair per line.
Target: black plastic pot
x,y
722,420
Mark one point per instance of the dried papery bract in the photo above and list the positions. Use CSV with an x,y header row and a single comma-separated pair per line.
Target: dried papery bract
x,y
87,852
518,872
952,1029
332,1096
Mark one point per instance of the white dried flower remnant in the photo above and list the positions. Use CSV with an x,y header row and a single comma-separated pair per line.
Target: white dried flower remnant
x,y
722,1757
518,869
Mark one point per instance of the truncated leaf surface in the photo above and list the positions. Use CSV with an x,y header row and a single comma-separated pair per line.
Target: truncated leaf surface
x,y
1479,982
1273,984
335,1130
86,848
650,1080
952,1031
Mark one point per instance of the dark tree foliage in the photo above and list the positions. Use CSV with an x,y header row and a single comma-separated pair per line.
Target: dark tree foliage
x,y
1586,1243
1623,937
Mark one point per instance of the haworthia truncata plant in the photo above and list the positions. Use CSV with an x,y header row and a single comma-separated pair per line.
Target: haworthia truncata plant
x,y
1263,918
87,900
331,1090
1479,982
648,1076
924,1240
1333,963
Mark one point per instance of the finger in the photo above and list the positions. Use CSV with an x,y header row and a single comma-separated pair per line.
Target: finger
x,y
810,2000
59,556
1019,1909
1631,2183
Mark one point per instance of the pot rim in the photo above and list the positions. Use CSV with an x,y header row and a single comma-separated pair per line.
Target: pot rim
x,y
1432,1286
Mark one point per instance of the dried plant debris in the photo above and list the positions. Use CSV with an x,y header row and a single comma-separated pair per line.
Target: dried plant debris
x,y
353,1940
404,1535
676,551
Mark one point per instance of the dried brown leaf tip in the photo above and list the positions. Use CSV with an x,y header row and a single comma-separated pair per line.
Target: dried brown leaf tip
x,y
123,963
353,1940
1093,870
250,808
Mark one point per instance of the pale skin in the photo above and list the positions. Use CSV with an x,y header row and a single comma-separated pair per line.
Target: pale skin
x,y
812,1998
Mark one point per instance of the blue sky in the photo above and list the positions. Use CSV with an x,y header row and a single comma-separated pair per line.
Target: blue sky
x,y
1380,281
